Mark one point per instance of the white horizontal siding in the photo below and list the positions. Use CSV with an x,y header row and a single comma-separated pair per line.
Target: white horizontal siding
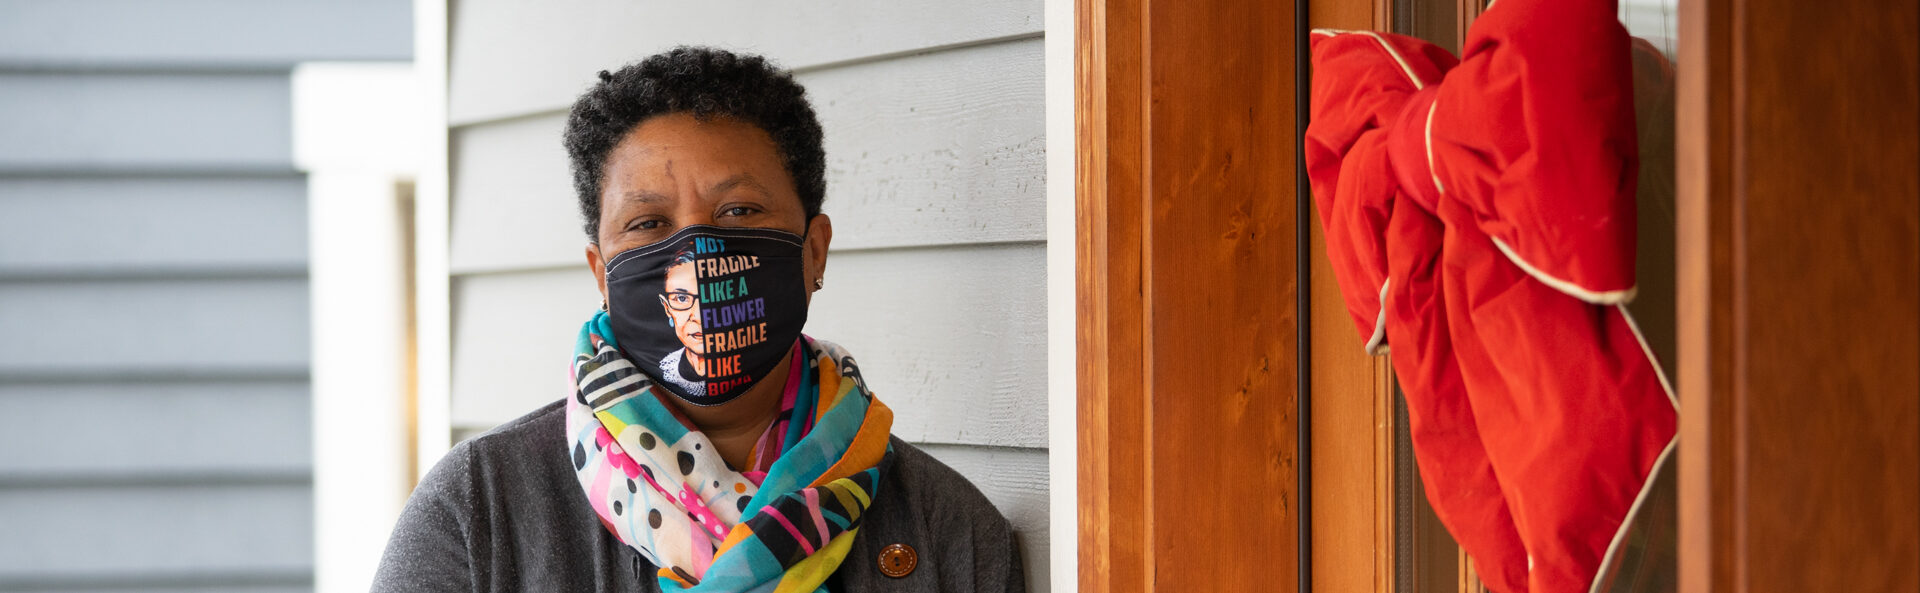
x,y
265,431
90,121
948,336
133,530
149,225
87,329
198,34
933,149
513,340
513,205
513,58
952,338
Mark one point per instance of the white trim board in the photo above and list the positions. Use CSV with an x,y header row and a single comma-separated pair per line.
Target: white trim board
x,y
1062,441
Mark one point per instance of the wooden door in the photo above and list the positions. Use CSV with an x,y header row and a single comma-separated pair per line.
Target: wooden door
x,y
1799,296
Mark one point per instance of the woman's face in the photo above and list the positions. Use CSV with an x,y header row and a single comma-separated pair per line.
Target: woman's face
x,y
673,171
686,323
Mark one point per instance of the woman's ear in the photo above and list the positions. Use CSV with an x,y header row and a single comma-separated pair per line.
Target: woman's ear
x,y
819,237
599,267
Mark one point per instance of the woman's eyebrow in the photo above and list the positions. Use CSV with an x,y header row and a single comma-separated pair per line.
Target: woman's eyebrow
x,y
645,196
742,180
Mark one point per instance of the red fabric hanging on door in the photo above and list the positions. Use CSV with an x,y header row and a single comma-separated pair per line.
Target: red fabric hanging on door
x,y
1479,216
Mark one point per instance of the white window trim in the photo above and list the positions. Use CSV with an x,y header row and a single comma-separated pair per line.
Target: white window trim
x,y
357,137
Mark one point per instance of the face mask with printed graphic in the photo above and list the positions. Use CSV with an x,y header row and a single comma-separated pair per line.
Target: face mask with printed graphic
x,y
710,311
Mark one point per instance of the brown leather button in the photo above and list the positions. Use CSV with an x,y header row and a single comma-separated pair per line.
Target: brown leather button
x,y
898,560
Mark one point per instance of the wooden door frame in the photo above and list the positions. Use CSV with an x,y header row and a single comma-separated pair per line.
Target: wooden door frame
x,y
1799,296
1185,294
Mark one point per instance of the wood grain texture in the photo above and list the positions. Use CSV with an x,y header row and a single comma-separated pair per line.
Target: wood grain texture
x,y
1016,482
1220,238
1703,261
161,326
952,338
1352,406
510,58
1831,290
1351,416
202,34
132,530
68,121
1114,481
1800,297
159,224
180,429
1386,477
932,149
1185,227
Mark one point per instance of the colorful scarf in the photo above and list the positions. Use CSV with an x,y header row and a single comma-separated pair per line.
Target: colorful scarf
x,y
783,525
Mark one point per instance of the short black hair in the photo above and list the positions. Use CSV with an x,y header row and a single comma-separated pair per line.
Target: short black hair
x,y
707,83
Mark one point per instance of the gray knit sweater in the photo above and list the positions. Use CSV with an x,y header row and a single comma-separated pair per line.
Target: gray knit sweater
x,y
503,512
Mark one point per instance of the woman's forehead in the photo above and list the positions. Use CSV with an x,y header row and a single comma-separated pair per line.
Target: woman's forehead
x,y
718,154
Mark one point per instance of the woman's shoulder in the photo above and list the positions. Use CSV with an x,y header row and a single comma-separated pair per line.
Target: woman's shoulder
x,y
522,456
959,540
931,482
544,426
495,509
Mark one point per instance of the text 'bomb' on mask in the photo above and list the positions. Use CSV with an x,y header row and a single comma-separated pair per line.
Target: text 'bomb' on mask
x,y
710,311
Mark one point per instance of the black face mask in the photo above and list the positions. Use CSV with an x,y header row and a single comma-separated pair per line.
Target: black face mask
x,y
709,312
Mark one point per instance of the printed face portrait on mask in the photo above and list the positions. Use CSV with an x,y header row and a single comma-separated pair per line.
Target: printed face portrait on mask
x,y
680,297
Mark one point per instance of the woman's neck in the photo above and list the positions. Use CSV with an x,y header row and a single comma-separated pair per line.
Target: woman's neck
x,y
735,427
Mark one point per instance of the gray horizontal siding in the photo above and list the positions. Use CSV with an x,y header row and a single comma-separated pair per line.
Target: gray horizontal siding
x,y
265,433
153,326
130,532
268,583
155,430
201,34
972,170
152,225
515,58
86,122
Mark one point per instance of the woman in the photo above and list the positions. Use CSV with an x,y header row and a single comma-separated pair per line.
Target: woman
x,y
767,465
